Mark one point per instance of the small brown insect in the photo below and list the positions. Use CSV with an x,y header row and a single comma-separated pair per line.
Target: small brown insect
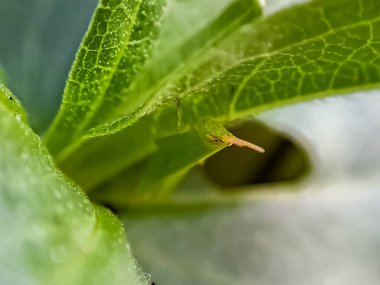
x,y
242,143
217,134
232,140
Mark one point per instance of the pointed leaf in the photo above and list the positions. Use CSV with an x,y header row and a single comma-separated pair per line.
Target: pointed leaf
x,y
114,49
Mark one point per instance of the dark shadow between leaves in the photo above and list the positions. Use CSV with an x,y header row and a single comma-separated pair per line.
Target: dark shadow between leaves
x,y
232,168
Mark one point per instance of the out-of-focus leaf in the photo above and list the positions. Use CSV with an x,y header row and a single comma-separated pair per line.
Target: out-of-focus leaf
x,y
50,232
9,101
114,49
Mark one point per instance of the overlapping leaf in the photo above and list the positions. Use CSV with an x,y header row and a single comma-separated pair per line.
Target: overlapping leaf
x,y
330,53
281,59
286,59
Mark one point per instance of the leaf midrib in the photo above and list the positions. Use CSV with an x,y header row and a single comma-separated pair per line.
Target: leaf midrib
x,y
98,102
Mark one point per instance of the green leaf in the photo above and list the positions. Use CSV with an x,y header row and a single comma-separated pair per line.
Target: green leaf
x,y
114,49
10,102
48,226
172,64
165,167
98,160
302,60
329,53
